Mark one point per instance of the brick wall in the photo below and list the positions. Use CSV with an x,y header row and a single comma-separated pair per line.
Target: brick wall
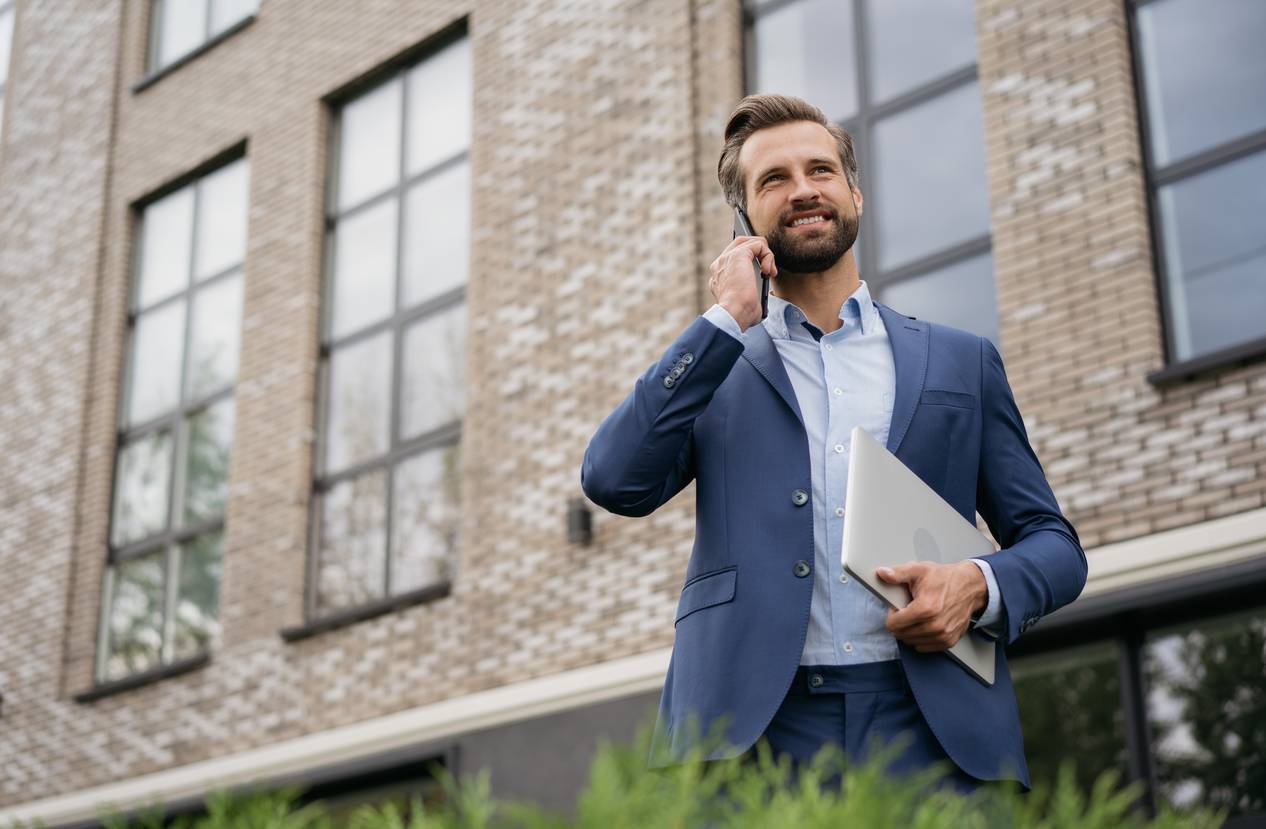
x,y
595,214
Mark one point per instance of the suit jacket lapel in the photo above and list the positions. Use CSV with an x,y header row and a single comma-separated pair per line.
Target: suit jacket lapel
x,y
760,351
909,340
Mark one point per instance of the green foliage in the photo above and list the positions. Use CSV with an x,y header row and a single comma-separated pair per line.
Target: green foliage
x,y
757,791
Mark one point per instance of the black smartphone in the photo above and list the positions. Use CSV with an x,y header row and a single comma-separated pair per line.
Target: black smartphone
x,y
743,227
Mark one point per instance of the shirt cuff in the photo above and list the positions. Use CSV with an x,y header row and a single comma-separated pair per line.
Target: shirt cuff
x,y
992,614
721,318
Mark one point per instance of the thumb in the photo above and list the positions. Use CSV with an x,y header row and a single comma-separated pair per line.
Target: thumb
x,y
901,574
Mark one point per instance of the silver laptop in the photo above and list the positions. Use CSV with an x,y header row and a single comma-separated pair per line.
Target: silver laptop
x,y
892,518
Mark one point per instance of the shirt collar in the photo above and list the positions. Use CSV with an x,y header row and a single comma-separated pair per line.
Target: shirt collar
x,y
858,307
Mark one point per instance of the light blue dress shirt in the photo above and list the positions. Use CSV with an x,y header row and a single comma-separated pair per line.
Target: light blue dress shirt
x,y
842,379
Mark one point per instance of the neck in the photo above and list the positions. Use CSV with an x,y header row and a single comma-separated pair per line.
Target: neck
x,y
821,294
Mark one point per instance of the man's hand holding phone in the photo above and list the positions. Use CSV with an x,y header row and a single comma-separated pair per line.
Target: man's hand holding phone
x,y
732,283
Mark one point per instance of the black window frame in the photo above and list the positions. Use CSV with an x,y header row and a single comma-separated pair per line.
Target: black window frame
x,y
1123,618
1155,177
861,126
174,422
396,323
154,70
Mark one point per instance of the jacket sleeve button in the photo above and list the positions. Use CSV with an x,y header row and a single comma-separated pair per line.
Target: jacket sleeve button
x,y
668,382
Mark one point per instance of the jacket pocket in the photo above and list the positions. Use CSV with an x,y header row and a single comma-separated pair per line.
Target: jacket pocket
x,y
941,397
707,590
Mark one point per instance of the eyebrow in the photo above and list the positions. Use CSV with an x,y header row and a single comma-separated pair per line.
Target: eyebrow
x,y
812,161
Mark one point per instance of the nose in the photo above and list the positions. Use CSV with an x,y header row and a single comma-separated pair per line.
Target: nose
x,y
804,189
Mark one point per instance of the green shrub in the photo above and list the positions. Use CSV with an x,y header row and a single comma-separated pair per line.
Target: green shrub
x,y
759,793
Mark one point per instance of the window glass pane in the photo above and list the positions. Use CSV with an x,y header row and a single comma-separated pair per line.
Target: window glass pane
x,y
437,234
930,177
806,49
426,519
6,43
364,268
197,623
222,220
353,552
224,13
184,26
136,617
369,155
157,345
166,238
1206,701
360,402
141,488
213,346
1214,236
434,372
439,107
1070,711
207,462
961,295
1204,72
914,42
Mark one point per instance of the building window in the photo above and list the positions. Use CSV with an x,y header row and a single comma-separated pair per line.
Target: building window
x,y
161,591
900,76
6,51
1201,74
386,504
178,27
1179,706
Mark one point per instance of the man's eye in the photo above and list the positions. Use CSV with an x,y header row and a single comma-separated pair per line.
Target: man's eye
x,y
821,169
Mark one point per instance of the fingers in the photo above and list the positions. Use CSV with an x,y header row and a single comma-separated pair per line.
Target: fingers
x,y
753,246
924,631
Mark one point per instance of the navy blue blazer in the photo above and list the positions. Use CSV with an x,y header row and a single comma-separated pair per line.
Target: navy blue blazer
x,y
724,413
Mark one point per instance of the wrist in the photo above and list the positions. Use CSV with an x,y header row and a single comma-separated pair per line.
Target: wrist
x,y
979,587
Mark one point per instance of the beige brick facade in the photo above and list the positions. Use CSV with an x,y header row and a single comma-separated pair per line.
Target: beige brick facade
x,y
595,213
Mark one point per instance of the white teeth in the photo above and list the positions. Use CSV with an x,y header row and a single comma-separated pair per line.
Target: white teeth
x,y
808,220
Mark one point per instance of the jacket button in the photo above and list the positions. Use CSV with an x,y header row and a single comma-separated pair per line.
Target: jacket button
x,y
815,680
799,497
801,569
687,358
668,382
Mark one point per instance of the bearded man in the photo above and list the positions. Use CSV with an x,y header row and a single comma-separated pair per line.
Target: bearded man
x,y
774,639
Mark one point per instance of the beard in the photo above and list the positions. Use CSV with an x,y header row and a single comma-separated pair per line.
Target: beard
x,y
799,255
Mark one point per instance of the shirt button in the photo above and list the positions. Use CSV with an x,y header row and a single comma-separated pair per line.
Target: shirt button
x,y
839,511
839,449
827,346
848,647
843,578
838,392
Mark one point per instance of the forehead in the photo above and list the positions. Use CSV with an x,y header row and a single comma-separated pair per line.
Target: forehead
x,y
786,145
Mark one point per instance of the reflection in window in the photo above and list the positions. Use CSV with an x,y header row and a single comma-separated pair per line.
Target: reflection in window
x,y
915,42
172,467
1214,230
1206,703
177,27
953,295
930,196
395,336
1070,712
798,52
1202,72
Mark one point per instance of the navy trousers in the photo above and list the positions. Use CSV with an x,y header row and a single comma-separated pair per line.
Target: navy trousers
x,y
859,708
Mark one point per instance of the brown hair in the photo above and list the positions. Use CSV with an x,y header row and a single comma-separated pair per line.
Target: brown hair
x,y
758,112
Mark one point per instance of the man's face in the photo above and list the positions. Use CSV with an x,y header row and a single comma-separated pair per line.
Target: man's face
x,y
798,196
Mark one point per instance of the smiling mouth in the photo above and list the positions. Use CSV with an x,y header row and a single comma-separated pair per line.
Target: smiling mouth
x,y
809,221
